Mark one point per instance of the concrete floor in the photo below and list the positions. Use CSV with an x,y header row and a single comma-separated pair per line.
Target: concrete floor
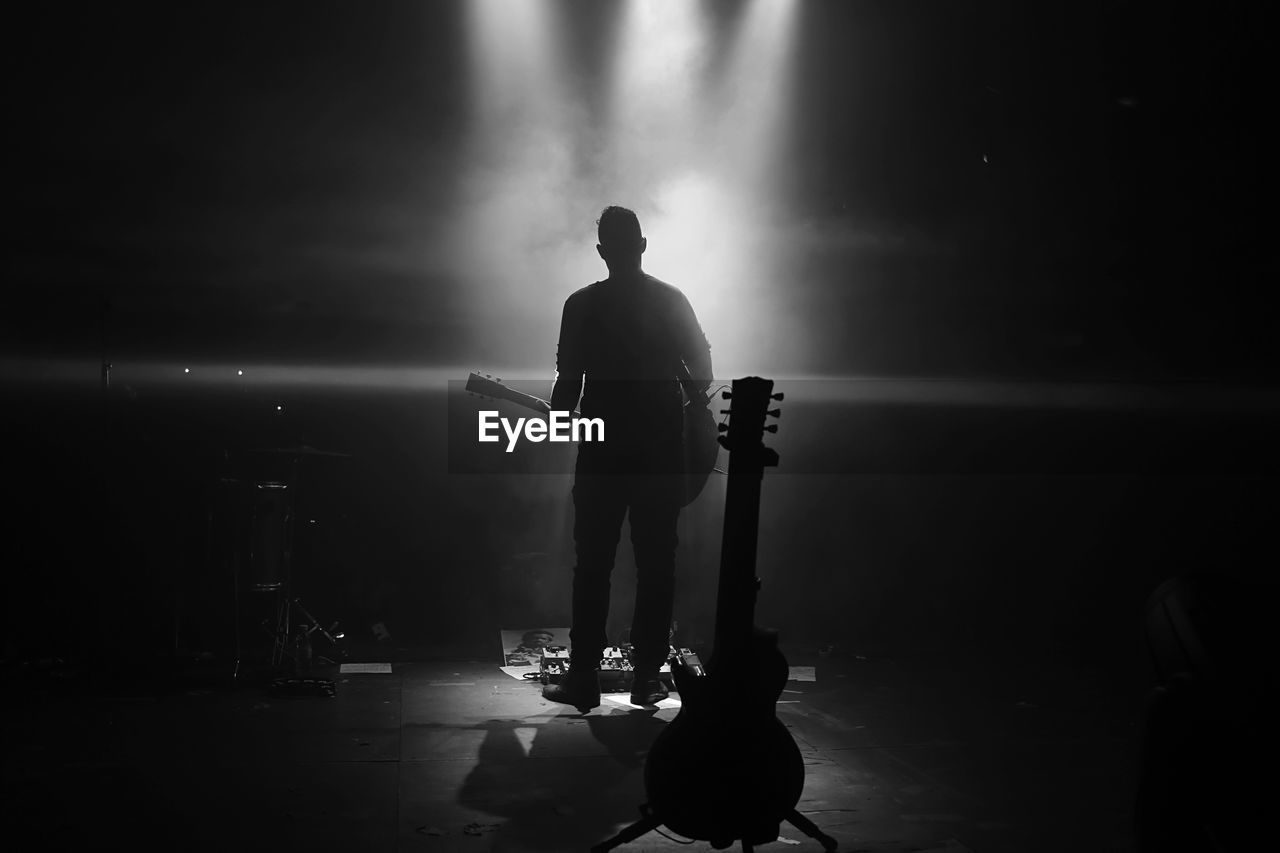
x,y
912,754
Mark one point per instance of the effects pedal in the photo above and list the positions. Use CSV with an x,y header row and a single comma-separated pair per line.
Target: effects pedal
x,y
688,659
555,664
616,671
616,658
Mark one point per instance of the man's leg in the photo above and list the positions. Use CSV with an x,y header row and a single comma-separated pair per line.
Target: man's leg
x,y
598,507
654,513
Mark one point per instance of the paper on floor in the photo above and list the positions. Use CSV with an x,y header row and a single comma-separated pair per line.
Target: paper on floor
x,y
624,699
365,668
519,672
525,645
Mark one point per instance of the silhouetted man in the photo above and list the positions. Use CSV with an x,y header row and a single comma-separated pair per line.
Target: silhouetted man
x,y
630,336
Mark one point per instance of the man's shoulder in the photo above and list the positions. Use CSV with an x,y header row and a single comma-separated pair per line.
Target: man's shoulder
x,y
583,292
665,289
658,284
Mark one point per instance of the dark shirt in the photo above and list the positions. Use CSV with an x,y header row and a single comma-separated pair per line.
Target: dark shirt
x,y
629,337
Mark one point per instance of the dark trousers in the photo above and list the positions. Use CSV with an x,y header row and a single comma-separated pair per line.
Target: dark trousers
x,y
607,487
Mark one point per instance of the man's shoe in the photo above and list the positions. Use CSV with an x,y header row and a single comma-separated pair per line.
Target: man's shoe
x,y
580,688
647,688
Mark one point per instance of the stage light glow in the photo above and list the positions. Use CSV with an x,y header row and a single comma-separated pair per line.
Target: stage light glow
x,y
521,177
507,41
756,95
694,158
278,379
661,64
708,152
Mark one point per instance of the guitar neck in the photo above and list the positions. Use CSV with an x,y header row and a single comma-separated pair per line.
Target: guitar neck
x,y
529,401
738,586
748,457
488,387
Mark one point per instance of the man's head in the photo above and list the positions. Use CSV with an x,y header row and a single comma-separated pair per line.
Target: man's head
x,y
621,243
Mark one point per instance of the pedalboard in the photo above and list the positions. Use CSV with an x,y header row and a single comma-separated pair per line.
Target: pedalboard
x,y
617,668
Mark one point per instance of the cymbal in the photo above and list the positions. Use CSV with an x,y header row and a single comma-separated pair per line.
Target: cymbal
x,y
299,450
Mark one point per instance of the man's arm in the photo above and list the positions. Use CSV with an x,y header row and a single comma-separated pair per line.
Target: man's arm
x,y
695,352
569,360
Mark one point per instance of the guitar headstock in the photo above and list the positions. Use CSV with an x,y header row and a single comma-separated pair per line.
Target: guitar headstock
x,y
489,388
748,409
486,386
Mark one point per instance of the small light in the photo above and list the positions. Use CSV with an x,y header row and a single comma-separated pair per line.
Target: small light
x,y
339,636
239,373
279,408
186,370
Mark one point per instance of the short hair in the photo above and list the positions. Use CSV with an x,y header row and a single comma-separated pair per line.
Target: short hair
x,y
619,229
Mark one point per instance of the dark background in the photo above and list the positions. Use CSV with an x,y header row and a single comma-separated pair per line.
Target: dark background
x,y
175,171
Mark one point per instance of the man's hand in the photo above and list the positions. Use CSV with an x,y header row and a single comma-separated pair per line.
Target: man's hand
x,y
697,398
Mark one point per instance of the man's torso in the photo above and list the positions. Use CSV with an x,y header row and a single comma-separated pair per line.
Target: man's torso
x,y
629,335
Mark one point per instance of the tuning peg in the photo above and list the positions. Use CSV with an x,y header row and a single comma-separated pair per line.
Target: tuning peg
x,y
722,427
726,411
777,396
771,428
726,395
774,413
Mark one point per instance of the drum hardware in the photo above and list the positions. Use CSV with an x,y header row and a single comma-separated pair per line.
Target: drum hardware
x,y
270,565
295,640
267,546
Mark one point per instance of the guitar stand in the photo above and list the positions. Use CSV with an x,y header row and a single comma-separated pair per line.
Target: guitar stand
x,y
649,822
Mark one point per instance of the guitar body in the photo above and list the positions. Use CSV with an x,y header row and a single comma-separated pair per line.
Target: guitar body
x,y
701,449
726,767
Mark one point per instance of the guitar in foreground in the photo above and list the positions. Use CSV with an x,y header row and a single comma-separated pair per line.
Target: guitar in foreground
x,y
701,445
726,769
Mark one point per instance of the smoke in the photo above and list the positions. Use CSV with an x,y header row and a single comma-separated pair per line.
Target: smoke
x,y
694,154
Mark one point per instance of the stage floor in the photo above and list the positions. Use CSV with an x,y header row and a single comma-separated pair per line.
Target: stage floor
x,y
921,755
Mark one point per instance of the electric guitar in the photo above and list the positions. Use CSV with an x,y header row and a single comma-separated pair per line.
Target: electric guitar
x,y
726,768
701,445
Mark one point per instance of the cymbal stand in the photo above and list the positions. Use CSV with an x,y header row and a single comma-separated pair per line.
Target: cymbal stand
x,y
285,644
